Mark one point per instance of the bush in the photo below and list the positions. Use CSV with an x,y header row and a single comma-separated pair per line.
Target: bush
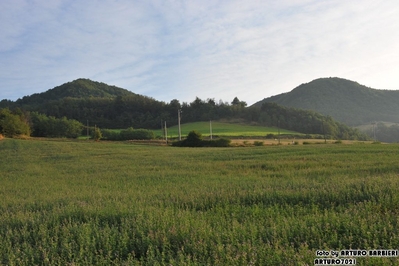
x,y
12,125
97,134
110,134
128,134
134,134
270,136
194,139
44,126
217,143
258,143
143,134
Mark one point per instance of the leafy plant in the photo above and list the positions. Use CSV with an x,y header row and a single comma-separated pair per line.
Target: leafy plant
x,y
258,143
97,135
12,125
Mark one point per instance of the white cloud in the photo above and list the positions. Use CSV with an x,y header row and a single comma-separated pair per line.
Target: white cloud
x,y
211,49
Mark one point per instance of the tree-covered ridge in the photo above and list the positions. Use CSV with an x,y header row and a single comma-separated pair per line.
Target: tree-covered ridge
x,y
137,111
344,100
308,122
80,88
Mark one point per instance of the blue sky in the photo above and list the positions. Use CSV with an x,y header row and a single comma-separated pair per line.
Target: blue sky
x,y
172,49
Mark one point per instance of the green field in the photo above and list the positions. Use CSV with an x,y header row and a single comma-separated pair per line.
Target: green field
x,y
223,130
110,203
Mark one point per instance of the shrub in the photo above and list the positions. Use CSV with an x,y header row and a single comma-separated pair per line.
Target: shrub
x,y
127,134
97,134
270,136
143,134
44,126
12,125
110,134
258,143
194,139
133,134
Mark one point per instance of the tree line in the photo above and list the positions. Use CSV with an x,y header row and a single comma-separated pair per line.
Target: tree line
x,y
69,114
384,133
128,111
18,122
62,110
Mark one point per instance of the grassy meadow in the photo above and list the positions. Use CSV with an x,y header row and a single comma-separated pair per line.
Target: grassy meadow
x,y
222,129
114,203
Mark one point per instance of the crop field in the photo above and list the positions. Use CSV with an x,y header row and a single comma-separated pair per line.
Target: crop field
x,y
223,130
115,203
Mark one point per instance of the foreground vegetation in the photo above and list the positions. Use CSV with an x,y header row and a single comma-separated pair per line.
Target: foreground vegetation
x,y
87,203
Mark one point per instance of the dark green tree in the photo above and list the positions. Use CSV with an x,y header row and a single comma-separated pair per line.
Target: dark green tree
x,y
44,126
12,125
194,139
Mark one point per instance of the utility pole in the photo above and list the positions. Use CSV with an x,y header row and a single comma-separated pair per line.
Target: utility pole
x,y
166,134
87,128
210,127
163,133
279,132
178,120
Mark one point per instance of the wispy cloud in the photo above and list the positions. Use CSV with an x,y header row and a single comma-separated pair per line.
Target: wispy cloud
x,y
210,49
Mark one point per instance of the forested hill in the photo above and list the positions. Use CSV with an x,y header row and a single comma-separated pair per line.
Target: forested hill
x,y
100,104
80,88
344,100
111,107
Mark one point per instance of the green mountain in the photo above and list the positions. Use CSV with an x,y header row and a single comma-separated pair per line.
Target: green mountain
x,y
346,101
94,102
80,88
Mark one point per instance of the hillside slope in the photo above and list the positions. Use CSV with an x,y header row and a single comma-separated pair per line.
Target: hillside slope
x,y
86,100
80,88
346,101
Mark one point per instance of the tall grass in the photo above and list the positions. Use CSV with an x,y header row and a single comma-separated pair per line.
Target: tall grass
x,y
86,203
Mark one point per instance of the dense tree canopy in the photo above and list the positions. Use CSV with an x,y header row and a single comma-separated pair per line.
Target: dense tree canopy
x,y
308,122
44,126
384,133
13,123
